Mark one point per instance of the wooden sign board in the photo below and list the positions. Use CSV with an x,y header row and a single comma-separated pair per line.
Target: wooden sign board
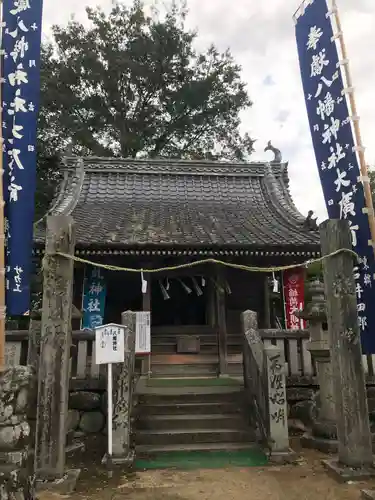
x,y
109,344
143,332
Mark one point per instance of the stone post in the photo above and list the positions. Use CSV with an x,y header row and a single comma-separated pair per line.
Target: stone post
x,y
274,367
353,428
33,348
324,426
33,353
53,376
16,467
123,451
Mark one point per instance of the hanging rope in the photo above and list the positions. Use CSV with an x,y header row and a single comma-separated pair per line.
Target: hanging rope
x,y
241,267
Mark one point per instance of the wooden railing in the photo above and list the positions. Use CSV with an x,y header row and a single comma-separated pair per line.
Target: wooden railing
x,y
293,343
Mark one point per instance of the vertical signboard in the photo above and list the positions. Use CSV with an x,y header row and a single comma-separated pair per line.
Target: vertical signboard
x,y
143,332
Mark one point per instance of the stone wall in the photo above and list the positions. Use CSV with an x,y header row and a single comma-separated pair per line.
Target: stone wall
x,y
303,407
16,476
87,412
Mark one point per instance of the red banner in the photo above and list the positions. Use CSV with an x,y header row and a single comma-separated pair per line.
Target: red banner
x,y
293,281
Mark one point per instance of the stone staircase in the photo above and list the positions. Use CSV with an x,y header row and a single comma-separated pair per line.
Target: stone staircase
x,y
193,365
187,418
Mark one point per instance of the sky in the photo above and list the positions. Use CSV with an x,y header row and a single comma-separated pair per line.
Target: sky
x,y
261,37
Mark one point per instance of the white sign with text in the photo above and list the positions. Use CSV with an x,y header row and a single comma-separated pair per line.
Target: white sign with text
x,y
143,333
109,344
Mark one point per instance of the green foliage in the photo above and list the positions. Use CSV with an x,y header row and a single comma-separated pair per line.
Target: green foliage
x,y
134,85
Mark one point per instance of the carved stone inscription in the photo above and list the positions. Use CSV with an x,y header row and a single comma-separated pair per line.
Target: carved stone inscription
x,y
277,399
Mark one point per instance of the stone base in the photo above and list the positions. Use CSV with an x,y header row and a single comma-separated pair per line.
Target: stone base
x,y
324,445
16,482
74,447
325,429
123,462
63,486
282,457
368,494
344,474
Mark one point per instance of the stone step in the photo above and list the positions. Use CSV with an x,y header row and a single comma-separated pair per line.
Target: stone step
x,y
189,408
235,368
147,449
190,436
204,340
204,349
188,395
202,369
182,422
208,337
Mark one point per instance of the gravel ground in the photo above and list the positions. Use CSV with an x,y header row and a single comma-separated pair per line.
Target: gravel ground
x,y
306,480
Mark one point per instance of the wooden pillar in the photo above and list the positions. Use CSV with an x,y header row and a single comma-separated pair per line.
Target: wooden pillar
x,y
221,323
53,378
353,430
267,303
211,304
146,306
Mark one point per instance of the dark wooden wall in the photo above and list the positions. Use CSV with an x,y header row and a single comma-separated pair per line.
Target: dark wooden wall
x,y
247,292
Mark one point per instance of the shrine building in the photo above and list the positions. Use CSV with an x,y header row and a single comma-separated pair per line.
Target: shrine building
x,y
160,213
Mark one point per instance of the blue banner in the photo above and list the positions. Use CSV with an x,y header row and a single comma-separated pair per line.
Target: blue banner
x,y
334,147
94,295
20,46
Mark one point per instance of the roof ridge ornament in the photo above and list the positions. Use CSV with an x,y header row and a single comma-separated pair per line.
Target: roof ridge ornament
x,y
310,222
278,156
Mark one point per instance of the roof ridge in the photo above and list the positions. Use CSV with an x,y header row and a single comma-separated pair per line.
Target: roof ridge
x,y
170,166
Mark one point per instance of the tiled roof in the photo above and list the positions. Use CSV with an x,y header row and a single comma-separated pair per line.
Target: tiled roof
x,y
179,204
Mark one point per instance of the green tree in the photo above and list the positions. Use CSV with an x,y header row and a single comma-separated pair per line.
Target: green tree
x,y
133,84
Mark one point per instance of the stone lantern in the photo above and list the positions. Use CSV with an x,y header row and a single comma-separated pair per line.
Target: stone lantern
x,y
323,434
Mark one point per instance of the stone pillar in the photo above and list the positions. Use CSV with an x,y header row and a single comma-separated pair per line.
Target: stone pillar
x,y
123,450
355,459
33,353
274,366
324,425
54,361
16,467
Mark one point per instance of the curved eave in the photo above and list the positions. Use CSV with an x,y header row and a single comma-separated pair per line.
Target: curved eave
x,y
117,250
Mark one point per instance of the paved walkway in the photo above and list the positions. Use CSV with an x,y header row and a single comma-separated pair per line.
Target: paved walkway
x,y
305,481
